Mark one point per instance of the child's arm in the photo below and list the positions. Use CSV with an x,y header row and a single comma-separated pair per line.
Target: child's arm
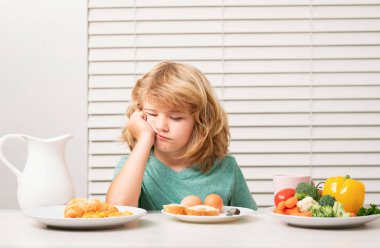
x,y
125,189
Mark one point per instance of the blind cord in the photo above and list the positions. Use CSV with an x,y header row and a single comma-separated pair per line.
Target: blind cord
x,y
222,48
134,41
311,83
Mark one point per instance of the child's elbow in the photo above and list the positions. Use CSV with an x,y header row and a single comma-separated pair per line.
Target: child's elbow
x,y
114,200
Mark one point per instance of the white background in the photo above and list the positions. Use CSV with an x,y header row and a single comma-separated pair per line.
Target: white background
x,y
43,83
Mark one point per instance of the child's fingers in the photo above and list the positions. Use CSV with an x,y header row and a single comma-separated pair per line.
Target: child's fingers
x,y
144,116
138,115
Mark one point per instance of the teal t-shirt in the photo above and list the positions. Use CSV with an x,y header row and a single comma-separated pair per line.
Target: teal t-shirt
x,y
161,185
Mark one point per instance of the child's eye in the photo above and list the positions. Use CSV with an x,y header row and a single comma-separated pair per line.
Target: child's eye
x,y
151,114
176,118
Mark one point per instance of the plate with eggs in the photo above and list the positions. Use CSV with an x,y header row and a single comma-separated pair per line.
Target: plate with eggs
x,y
191,209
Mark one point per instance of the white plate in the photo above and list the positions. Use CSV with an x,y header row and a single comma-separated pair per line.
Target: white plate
x,y
52,216
318,222
212,219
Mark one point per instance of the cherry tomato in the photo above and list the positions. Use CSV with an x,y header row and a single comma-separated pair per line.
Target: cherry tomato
x,y
283,195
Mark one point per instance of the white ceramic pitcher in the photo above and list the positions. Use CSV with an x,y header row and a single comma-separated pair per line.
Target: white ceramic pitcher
x,y
45,179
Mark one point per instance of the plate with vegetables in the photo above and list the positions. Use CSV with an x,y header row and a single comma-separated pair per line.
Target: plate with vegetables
x,y
323,222
339,204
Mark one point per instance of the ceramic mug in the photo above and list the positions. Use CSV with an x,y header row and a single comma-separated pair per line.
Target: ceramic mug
x,y
288,181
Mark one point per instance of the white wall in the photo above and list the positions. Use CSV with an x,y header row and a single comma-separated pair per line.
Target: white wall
x,y
43,82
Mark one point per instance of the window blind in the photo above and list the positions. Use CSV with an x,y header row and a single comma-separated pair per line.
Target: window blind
x,y
300,81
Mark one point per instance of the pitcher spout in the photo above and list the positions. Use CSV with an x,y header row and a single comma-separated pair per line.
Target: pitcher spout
x,y
62,138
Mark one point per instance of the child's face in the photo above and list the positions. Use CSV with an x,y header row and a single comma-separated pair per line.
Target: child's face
x,y
173,128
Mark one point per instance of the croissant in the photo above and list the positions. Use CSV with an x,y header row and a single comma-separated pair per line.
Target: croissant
x,y
80,207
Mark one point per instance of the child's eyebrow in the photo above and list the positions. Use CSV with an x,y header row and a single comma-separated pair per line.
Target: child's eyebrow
x,y
149,109
171,111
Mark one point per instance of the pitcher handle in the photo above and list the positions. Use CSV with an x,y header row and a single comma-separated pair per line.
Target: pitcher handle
x,y
2,157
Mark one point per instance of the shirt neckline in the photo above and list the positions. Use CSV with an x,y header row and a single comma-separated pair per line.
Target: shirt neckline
x,y
187,172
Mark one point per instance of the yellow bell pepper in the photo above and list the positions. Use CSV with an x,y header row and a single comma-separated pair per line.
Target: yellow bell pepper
x,y
346,190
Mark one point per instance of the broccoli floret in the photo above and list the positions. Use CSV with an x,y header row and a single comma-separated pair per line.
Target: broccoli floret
x,y
327,200
301,196
308,189
322,211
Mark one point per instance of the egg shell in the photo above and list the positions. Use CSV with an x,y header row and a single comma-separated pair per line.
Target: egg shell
x,y
191,200
214,200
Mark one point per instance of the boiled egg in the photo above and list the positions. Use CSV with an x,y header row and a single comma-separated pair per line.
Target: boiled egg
x,y
214,200
191,200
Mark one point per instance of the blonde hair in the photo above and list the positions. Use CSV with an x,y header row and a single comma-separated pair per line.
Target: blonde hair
x,y
180,85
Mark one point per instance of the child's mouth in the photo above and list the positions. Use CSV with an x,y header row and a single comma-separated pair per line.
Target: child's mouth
x,y
158,136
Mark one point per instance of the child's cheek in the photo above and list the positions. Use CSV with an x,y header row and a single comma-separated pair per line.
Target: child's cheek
x,y
150,120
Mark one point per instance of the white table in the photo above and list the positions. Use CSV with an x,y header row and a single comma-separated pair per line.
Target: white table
x,y
157,230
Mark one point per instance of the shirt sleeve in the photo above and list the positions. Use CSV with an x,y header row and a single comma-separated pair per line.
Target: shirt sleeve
x,y
119,165
241,195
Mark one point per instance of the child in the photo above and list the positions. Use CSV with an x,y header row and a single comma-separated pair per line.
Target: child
x,y
178,135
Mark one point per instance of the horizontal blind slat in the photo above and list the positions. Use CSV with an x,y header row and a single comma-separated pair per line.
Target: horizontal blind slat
x,y
153,3
233,26
262,93
242,53
259,186
246,66
234,40
246,12
273,160
267,120
267,146
270,133
273,106
254,80
261,173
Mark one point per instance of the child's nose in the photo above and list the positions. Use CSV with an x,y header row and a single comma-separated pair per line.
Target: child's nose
x,y
162,123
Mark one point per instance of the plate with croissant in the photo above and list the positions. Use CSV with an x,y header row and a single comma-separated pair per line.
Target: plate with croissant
x,y
82,213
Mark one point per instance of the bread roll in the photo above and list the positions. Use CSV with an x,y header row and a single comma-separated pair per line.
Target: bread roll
x,y
77,207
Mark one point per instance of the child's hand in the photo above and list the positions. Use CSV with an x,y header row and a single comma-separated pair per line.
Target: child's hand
x,y
139,127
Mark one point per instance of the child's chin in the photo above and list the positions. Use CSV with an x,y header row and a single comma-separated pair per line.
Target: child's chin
x,y
162,147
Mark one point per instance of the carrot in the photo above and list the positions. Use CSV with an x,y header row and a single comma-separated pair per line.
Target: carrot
x,y
292,210
306,214
291,202
278,211
352,214
281,205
